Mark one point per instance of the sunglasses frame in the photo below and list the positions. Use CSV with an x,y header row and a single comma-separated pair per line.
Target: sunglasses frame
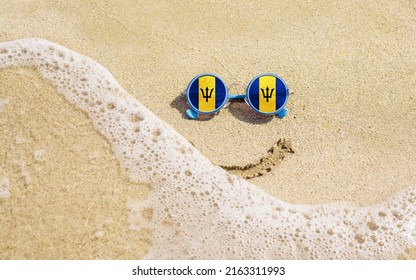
x,y
196,109
194,112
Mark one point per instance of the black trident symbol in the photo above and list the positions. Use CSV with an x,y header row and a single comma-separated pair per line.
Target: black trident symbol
x,y
207,95
266,94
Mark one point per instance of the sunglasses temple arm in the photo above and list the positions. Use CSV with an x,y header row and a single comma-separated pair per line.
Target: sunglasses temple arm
x,y
192,114
236,96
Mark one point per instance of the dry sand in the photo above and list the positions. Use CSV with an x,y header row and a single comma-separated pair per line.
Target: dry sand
x,y
351,124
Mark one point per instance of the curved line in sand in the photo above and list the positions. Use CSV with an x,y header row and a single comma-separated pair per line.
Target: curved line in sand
x,y
266,163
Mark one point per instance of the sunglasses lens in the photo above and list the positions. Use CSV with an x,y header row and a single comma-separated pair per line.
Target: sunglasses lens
x,y
267,94
206,93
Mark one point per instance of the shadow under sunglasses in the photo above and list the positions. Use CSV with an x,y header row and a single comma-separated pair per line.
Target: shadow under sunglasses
x,y
237,107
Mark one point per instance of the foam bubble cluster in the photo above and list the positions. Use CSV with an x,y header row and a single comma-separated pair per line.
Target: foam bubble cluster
x,y
3,103
4,187
198,210
40,155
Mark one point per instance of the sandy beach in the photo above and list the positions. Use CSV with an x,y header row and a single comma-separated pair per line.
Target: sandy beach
x,y
351,126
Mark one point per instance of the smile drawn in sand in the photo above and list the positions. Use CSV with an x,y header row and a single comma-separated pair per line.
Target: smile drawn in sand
x,y
266,163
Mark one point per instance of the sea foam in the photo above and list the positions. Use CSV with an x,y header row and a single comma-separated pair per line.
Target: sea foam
x,y
3,103
198,210
4,187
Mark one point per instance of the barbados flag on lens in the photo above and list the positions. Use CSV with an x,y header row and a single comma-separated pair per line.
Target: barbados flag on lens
x,y
267,94
207,93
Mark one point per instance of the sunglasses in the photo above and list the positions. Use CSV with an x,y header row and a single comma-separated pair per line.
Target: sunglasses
x,y
266,94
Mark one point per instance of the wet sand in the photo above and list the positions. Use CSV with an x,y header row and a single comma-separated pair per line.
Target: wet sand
x,y
67,195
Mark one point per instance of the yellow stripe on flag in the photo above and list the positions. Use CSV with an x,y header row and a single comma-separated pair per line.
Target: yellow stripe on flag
x,y
206,100
267,105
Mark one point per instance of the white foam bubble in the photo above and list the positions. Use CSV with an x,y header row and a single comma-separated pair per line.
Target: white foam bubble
x,y
19,139
3,103
99,234
25,174
198,210
4,187
40,155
